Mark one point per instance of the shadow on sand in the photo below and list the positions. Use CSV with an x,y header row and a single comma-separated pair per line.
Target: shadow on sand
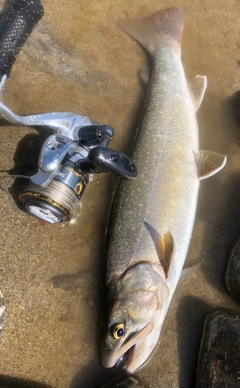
x,y
13,382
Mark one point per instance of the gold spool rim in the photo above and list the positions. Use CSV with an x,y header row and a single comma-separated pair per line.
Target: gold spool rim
x,y
46,199
84,177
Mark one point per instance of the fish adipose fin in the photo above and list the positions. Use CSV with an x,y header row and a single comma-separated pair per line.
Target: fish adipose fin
x,y
165,24
197,87
164,246
209,163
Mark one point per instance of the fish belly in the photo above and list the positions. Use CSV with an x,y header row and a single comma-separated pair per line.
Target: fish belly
x,y
165,192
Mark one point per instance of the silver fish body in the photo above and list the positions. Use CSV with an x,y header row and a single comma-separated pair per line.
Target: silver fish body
x,y
152,217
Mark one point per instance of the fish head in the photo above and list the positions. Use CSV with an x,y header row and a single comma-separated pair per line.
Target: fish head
x,y
132,329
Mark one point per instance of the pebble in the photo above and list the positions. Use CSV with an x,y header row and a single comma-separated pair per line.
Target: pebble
x,y
232,276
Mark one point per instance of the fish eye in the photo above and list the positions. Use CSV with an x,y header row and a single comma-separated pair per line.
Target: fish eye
x,y
118,331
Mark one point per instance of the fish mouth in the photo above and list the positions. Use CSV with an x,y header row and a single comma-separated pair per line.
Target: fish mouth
x,y
129,356
126,353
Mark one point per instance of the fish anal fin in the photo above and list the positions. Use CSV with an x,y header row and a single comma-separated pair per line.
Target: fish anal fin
x,y
197,86
209,163
164,246
165,253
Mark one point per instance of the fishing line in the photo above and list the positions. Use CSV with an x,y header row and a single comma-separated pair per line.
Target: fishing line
x,y
13,176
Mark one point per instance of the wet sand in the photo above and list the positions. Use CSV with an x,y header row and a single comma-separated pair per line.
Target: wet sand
x,y
79,60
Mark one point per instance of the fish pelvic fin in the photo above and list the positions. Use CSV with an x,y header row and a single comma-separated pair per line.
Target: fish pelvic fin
x,y
164,246
197,86
188,270
166,25
209,163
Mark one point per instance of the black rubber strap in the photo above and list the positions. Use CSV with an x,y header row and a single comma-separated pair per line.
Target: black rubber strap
x,y
15,27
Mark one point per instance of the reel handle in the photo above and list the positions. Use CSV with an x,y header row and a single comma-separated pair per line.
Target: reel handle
x,y
15,27
101,159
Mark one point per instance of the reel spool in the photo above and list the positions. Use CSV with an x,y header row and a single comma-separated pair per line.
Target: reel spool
x,y
55,202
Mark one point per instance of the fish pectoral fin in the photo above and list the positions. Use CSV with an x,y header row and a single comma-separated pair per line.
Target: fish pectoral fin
x,y
164,246
209,163
197,86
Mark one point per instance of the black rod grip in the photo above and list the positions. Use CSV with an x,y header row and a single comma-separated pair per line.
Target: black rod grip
x,y
15,27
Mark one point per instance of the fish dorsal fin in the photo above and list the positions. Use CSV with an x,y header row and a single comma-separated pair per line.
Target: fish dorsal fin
x,y
209,163
197,86
164,246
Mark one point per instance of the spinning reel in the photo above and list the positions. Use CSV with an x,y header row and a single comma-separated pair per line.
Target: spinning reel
x,y
76,149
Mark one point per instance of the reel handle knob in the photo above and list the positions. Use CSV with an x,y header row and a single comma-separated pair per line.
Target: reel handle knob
x,y
15,27
101,159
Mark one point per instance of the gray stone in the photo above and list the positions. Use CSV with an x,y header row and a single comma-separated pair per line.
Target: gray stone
x,y
218,362
127,382
232,277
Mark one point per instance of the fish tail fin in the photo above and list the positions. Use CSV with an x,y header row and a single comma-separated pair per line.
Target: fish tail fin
x,y
165,25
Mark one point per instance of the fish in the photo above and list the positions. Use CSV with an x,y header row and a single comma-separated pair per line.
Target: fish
x,y
124,382
152,217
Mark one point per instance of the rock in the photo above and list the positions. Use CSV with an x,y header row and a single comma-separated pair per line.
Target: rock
x,y
125,382
232,277
219,356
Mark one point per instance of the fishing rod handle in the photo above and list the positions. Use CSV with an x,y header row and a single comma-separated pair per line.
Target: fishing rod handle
x,y
15,27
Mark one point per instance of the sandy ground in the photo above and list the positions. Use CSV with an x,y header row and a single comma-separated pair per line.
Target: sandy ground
x,y
79,60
